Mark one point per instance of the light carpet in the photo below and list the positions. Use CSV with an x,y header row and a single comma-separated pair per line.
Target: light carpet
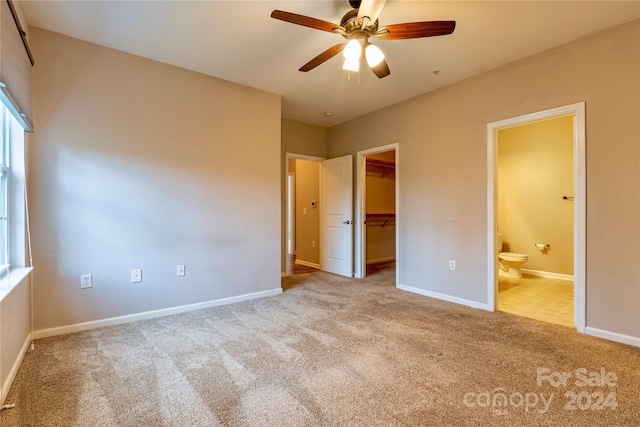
x,y
328,351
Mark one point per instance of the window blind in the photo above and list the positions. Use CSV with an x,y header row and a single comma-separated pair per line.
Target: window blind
x,y
15,67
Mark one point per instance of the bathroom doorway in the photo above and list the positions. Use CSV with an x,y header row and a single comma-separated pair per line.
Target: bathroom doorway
x,y
536,216
376,227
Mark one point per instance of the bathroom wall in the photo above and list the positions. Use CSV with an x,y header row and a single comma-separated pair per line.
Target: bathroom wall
x,y
307,217
381,198
535,170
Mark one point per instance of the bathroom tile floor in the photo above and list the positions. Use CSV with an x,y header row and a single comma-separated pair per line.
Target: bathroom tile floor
x,y
540,298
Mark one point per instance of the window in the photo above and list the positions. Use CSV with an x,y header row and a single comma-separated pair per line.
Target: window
x,y
12,137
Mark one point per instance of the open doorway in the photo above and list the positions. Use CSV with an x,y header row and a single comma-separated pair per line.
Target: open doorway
x,y
303,226
376,242
536,229
535,220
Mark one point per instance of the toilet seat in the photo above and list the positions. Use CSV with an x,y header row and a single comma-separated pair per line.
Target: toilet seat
x,y
512,256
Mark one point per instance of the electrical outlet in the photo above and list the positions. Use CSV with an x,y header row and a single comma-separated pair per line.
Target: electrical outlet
x,y
452,264
180,270
313,243
86,281
136,275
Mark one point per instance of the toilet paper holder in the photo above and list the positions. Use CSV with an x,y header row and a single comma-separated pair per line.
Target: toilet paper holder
x,y
542,246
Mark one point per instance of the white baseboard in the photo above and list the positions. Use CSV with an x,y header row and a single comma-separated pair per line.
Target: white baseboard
x,y
375,261
547,274
44,333
613,336
14,370
444,297
307,264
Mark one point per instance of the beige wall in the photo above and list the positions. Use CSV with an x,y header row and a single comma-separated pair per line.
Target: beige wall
x,y
307,217
381,198
297,138
443,182
535,170
137,164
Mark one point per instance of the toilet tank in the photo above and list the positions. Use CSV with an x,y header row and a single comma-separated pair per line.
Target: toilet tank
x,y
499,245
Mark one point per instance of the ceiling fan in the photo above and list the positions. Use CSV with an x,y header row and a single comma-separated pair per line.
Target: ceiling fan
x,y
357,26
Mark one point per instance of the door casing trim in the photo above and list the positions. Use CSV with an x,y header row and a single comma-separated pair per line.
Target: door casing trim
x,y
576,110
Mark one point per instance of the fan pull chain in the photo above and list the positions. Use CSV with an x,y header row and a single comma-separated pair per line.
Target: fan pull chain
x,y
349,77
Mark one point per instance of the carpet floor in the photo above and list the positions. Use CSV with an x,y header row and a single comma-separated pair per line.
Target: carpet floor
x,y
329,351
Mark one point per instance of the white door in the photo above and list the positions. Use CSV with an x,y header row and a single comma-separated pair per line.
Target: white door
x,y
336,186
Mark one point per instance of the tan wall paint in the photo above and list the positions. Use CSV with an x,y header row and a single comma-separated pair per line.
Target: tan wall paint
x,y
381,198
307,224
535,170
138,164
443,187
298,138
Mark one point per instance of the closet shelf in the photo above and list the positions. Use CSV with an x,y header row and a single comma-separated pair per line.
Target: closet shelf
x,y
385,165
380,219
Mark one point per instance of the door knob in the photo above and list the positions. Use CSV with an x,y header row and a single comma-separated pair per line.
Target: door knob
x,y
346,222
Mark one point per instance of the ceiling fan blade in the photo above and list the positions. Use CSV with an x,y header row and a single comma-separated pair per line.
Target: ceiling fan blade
x,y
305,21
381,70
415,30
370,9
324,56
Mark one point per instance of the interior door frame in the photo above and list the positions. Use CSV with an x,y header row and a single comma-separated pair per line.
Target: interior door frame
x,y
576,110
289,156
360,237
291,209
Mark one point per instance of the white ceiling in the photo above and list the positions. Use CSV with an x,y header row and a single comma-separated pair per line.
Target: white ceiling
x,y
238,41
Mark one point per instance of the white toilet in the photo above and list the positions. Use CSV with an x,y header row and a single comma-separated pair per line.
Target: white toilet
x,y
510,262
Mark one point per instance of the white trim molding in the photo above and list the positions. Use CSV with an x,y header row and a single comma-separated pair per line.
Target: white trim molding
x,y
579,204
84,326
302,157
547,274
307,263
444,297
14,370
613,336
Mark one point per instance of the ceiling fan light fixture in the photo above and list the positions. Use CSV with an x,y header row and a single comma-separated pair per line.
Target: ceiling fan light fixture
x,y
357,26
353,50
351,64
352,54
374,55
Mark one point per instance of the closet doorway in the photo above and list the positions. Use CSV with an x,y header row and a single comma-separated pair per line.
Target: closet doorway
x,y
376,231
